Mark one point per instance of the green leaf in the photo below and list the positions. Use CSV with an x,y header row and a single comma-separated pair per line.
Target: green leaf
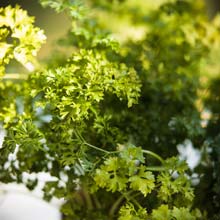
x,y
182,214
144,181
128,212
27,39
162,213
111,175
131,152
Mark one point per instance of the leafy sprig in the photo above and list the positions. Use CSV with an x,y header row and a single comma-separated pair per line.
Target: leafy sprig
x,y
19,38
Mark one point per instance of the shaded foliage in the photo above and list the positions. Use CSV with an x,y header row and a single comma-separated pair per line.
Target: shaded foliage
x,y
105,123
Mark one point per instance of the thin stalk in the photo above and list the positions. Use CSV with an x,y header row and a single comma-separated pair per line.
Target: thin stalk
x,y
88,199
133,200
96,148
154,155
156,168
97,203
78,135
117,203
115,152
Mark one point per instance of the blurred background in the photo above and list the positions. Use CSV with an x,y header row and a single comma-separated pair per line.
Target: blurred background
x,y
55,25
16,202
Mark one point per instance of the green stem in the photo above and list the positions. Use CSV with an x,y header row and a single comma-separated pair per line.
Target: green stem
x,y
78,135
96,148
118,202
154,155
97,203
116,205
144,151
132,199
115,152
88,200
156,168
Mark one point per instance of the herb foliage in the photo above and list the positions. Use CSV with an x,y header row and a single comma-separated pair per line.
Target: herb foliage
x,y
106,121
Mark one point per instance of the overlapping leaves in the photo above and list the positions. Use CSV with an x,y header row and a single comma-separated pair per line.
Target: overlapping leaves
x,y
19,38
79,97
121,173
75,90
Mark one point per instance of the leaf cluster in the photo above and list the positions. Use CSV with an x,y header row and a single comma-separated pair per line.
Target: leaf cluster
x,y
19,38
82,118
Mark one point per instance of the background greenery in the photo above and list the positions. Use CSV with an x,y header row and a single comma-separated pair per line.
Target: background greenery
x,y
105,111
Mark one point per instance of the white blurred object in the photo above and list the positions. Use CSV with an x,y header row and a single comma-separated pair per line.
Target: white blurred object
x,y
189,153
19,206
2,135
18,203
29,66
